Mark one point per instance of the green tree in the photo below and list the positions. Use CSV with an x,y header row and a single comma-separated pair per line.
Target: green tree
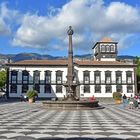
x,y
2,79
137,61
138,70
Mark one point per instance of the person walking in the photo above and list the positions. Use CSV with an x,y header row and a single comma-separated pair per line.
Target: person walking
x,y
136,101
131,102
25,98
124,100
92,99
21,97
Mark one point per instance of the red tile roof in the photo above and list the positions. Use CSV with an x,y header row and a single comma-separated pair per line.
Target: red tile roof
x,y
64,63
100,63
41,62
106,39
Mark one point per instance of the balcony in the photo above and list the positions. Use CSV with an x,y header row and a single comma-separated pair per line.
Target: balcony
x,y
103,82
41,82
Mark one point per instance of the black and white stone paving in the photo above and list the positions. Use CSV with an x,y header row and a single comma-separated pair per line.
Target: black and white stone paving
x,y
24,121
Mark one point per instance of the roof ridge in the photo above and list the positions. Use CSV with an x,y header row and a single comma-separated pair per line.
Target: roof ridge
x,y
106,39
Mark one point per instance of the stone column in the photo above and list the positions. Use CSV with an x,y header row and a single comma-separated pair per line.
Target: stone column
x,y
70,73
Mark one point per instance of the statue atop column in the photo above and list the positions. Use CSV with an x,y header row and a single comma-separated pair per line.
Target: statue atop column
x,y
70,31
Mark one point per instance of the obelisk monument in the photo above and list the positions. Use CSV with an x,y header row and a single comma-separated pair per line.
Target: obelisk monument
x,y
70,71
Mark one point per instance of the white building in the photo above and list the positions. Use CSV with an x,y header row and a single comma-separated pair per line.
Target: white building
x,y
99,77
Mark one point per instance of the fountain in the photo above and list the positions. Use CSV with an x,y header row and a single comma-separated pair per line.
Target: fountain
x,y
70,72
71,101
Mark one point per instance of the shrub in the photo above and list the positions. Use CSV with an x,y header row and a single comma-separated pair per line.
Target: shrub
x,y
2,79
117,95
31,94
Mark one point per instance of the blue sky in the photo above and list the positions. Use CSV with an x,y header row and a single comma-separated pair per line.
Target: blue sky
x,y
40,26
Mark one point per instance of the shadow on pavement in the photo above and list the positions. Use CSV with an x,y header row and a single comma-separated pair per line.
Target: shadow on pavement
x,y
10,100
86,138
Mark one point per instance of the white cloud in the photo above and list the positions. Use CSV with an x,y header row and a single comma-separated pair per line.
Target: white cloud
x,y
123,42
7,17
4,29
90,19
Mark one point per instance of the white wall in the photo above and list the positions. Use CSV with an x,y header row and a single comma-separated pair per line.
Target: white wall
x,y
80,77
42,77
103,94
108,59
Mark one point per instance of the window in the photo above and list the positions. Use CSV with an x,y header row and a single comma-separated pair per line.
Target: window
x,y
86,76
97,89
59,77
107,48
118,77
13,88
102,48
97,77
108,77
129,77
47,88
75,77
37,88
13,77
58,89
129,89
24,88
86,89
108,89
25,77
119,88
36,77
96,50
112,48
47,77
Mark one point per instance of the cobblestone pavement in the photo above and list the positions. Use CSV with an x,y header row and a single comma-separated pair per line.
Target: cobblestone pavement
x,y
24,121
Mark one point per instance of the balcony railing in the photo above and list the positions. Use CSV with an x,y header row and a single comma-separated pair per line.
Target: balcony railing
x,y
31,82
103,82
42,82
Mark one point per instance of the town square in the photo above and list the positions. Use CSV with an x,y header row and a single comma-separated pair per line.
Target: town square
x,y
21,120
70,70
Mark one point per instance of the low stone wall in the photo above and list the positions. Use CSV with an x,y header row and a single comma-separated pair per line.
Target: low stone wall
x,y
70,105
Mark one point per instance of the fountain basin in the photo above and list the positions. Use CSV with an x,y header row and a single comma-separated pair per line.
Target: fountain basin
x,y
71,105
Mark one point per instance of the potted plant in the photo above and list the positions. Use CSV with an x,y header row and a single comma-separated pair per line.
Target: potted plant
x,y
31,94
117,97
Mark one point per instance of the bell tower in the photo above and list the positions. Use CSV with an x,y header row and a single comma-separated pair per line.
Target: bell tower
x,y
105,50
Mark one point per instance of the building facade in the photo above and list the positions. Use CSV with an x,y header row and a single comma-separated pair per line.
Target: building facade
x,y
99,77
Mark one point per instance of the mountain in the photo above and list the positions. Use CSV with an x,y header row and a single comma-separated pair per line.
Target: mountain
x,y
84,56
31,56
126,57
26,56
90,56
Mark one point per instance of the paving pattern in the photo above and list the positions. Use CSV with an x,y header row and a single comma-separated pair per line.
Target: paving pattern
x,y
22,120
